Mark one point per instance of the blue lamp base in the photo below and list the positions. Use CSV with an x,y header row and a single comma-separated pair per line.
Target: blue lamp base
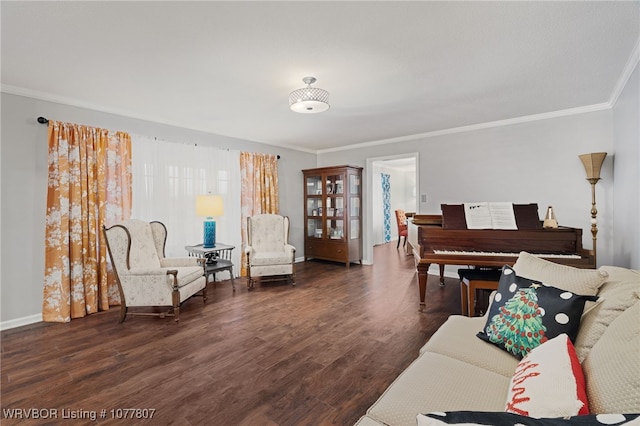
x,y
209,233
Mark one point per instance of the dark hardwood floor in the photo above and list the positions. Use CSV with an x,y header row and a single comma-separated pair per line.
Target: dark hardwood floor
x,y
319,353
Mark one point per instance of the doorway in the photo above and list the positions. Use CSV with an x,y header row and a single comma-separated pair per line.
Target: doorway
x,y
399,173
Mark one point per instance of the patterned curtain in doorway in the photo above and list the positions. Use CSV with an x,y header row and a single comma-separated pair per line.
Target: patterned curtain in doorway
x,y
89,186
259,191
386,205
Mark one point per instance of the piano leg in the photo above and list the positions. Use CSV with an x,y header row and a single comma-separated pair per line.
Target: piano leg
x,y
423,269
423,274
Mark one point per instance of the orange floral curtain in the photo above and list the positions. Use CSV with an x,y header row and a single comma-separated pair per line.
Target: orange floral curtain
x,y
259,190
89,186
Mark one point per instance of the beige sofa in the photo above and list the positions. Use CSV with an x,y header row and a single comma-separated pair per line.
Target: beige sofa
x,y
456,371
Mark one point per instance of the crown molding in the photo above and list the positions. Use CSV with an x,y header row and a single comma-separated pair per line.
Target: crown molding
x,y
631,65
499,123
480,126
49,97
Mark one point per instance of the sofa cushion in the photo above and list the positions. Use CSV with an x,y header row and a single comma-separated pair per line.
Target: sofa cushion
x,y
509,419
576,280
271,258
612,367
368,421
437,382
620,291
548,382
456,338
525,313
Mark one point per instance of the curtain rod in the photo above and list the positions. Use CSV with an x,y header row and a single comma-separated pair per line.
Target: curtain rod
x,y
43,120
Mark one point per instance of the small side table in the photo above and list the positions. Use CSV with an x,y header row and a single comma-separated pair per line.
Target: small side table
x,y
222,261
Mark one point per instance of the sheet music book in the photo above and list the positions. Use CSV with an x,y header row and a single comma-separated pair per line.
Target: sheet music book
x,y
493,215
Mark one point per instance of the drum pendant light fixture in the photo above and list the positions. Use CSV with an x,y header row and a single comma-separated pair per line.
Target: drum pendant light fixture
x,y
309,100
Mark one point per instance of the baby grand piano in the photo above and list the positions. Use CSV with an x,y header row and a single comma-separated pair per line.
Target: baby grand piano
x,y
433,240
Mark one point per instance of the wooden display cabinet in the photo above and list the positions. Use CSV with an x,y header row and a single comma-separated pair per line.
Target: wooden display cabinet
x,y
333,214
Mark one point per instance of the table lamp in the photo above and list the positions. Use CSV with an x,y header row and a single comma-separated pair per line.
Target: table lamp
x,y
209,206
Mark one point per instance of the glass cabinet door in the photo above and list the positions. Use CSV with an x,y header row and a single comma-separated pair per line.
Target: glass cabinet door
x,y
335,229
335,185
314,228
334,206
354,207
314,185
314,206
354,184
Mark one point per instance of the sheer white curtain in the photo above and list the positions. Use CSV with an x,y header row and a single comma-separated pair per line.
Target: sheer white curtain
x,y
167,177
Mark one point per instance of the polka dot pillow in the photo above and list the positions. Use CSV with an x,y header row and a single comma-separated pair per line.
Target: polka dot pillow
x,y
526,313
470,418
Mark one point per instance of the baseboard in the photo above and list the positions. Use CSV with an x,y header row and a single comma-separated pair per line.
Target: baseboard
x,y
19,322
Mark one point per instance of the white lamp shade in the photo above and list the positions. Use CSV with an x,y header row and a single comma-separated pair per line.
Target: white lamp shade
x,y
209,205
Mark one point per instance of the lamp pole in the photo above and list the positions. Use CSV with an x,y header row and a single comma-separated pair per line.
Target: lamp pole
x,y
594,213
592,164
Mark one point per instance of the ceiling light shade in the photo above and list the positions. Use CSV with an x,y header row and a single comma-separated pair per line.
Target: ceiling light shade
x,y
309,100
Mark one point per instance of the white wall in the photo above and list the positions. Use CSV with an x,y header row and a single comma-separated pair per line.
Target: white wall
x,y
24,186
626,204
532,162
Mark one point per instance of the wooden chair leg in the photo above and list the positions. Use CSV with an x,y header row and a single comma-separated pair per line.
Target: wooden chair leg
x,y
464,304
123,311
398,245
175,298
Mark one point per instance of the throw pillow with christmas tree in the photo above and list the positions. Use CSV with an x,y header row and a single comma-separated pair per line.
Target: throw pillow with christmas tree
x,y
526,313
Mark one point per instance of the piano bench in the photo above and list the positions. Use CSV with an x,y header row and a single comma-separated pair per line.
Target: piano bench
x,y
472,280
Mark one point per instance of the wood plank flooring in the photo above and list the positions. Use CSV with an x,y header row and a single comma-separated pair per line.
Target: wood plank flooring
x,y
319,353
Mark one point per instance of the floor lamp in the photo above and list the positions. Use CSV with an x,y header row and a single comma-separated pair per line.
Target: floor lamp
x,y
592,165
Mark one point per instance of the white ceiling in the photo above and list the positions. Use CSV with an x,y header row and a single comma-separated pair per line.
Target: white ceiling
x,y
394,69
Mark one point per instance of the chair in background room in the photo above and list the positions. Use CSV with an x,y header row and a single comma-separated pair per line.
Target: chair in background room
x,y
268,252
145,276
401,220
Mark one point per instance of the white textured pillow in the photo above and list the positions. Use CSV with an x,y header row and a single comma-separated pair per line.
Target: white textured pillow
x,y
612,367
579,281
620,291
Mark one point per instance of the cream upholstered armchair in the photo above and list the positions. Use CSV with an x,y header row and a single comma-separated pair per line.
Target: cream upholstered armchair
x,y
268,252
145,276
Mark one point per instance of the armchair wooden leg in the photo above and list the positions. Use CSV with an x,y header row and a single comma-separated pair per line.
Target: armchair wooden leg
x,y
123,311
398,245
175,298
